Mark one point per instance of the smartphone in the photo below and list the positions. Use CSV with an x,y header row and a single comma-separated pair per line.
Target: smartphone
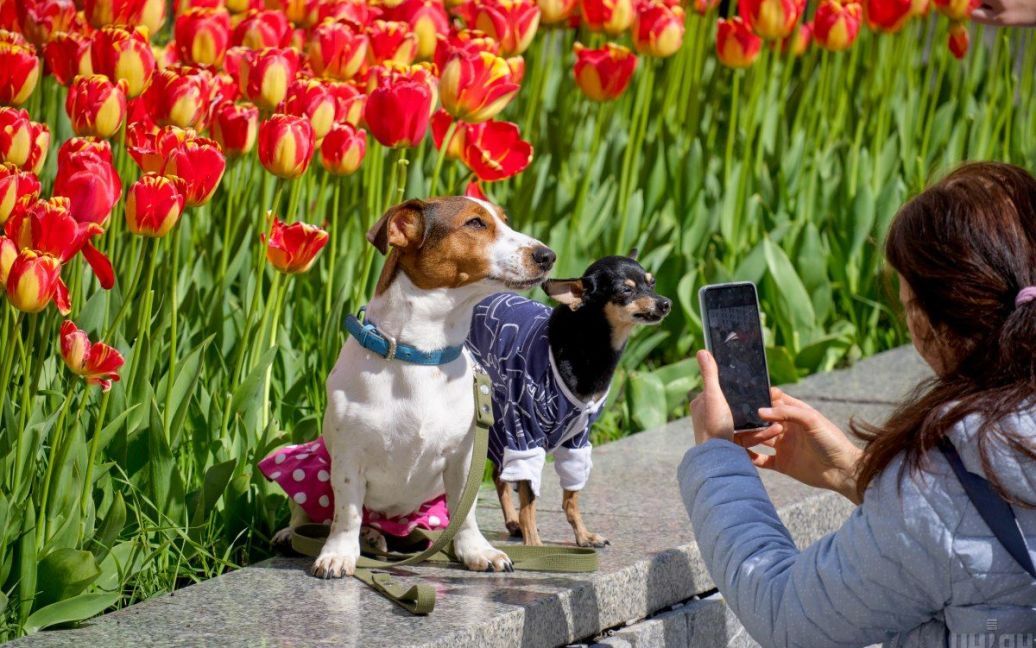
x,y
734,336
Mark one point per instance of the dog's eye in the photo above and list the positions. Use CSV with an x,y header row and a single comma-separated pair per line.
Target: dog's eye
x,y
627,290
476,223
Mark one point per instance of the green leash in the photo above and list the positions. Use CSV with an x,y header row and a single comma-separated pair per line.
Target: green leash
x,y
308,539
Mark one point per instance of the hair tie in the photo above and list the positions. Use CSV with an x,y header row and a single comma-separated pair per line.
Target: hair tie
x,y
1025,295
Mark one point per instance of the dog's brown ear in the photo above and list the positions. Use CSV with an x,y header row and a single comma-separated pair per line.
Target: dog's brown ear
x,y
401,226
565,291
634,253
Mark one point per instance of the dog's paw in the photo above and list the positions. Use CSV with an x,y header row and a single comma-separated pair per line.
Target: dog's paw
x,y
373,538
592,540
283,537
479,555
333,566
514,529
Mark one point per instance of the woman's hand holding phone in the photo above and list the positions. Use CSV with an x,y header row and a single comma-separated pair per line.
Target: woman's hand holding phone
x,y
710,411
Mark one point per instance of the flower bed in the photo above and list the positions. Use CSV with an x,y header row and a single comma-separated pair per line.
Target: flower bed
x,y
169,239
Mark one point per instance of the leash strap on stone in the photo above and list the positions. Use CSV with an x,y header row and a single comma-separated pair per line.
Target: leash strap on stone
x,y
308,539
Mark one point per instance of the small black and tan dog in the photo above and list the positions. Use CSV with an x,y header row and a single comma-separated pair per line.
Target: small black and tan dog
x,y
551,372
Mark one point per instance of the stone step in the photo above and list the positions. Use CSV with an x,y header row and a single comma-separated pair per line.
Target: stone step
x,y
653,562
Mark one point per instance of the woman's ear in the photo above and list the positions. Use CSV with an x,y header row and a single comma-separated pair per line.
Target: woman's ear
x,y
401,226
565,291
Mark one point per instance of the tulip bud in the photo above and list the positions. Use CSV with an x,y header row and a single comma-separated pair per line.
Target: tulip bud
x,y
658,29
311,99
798,42
512,23
286,145
476,86
958,40
8,253
736,45
391,41
957,10
19,72
337,50
101,13
89,181
427,20
199,162
202,36
96,106
343,149
15,136
495,150
265,75
68,55
836,25
234,128
604,74
610,16
553,12
770,19
261,29
293,248
16,187
397,113
33,281
122,54
886,15
98,363
349,102
153,15
180,96
40,135
154,205
45,18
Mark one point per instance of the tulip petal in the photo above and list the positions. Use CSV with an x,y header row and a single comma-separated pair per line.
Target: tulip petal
x,y
101,265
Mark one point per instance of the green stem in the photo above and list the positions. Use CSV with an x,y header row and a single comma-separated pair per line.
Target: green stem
x,y
95,443
28,388
439,157
728,157
329,285
55,444
174,280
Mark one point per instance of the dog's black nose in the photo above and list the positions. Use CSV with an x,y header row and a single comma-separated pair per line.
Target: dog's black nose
x,y
664,304
544,257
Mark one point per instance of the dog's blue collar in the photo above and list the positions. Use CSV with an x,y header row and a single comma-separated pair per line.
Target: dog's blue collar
x,y
372,339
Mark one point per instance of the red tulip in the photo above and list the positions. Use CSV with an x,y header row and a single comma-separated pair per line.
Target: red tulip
x,y
476,86
234,127
427,20
798,42
604,74
337,50
19,72
101,13
658,29
222,88
42,19
123,54
957,10
295,10
391,41
293,248
261,29
90,183
887,15
39,135
265,75
17,187
8,253
154,205
34,281
311,99
736,45
349,102
67,55
610,16
183,6
343,149
512,23
286,145
771,19
359,13
469,41
202,36
200,163
553,12
180,97
440,124
836,25
474,190
96,106
15,136
958,40
495,150
98,362
397,113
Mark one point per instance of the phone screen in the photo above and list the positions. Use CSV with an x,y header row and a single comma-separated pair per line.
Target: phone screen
x,y
735,338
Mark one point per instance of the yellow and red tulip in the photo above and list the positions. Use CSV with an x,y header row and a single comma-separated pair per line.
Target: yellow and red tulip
x,y
958,40
658,29
180,96
313,100
96,106
293,248
349,102
603,74
40,136
8,253
343,149
98,362
957,10
397,112
199,162
440,125
68,55
202,35
151,148
43,19
799,41
470,41
886,15
265,75
391,41
337,50
17,187
261,29
101,13
234,127
34,281
610,16
476,86
286,145
771,19
88,179
512,23
15,136
736,45
123,55
553,12
495,150
153,15
19,71
427,20
154,205
836,25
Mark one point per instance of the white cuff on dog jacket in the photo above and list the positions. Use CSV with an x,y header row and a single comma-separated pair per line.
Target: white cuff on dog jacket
x,y
573,466
524,465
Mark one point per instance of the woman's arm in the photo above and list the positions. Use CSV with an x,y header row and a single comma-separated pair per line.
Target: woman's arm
x,y
858,586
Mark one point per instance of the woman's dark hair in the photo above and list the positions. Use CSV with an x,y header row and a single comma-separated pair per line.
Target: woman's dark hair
x,y
966,247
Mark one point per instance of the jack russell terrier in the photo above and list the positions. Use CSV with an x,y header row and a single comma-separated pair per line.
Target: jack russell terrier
x,y
396,443
551,372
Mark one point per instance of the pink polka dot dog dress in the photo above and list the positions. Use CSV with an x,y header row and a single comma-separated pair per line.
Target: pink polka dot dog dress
x,y
304,472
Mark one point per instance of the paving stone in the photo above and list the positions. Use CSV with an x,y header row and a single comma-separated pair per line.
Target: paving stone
x,y
883,378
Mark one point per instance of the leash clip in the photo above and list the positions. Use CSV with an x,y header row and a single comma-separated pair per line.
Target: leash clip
x,y
391,355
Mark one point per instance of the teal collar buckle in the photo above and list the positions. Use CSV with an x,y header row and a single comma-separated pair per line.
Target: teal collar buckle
x,y
386,346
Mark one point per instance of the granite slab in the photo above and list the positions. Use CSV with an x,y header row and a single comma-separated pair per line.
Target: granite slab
x,y
652,564
884,378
